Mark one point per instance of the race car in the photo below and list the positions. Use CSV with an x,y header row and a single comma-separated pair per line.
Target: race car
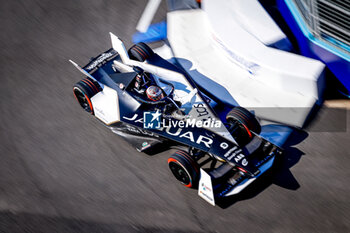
x,y
151,102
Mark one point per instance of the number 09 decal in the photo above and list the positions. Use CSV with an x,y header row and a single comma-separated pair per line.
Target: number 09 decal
x,y
224,145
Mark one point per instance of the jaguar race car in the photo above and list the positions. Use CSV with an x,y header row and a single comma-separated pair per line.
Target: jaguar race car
x,y
151,102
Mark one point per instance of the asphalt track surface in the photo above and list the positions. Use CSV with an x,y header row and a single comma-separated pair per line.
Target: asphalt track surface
x,y
63,171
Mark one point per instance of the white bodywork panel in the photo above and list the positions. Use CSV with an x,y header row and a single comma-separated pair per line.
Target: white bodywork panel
x,y
165,52
118,46
123,68
256,76
205,187
106,105
251,16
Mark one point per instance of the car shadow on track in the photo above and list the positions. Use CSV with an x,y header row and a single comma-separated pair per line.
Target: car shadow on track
x,y
279,175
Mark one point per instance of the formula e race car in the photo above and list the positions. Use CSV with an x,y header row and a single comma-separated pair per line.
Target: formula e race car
x,y
151,102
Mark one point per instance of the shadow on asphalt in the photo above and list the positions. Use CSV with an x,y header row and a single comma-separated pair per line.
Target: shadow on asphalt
x,y
27,222
279,175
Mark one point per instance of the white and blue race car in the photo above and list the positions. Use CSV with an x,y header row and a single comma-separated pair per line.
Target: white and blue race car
x,y
153,103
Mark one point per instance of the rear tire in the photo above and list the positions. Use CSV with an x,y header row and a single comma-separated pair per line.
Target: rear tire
x,y
84,90
140,52
184,168
246,121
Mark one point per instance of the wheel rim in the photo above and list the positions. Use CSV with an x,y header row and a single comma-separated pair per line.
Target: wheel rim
x,y
82,99
180,173
242,126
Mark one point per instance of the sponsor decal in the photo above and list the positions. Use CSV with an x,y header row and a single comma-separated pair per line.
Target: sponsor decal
x,y
201,110
148,133
145,145
204,194
136,130
192,123
152,120
99,60
207,141
132,129
235,154
205,188
100,111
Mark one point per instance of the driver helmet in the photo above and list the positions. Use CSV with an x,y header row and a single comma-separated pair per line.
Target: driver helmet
x,y
154,93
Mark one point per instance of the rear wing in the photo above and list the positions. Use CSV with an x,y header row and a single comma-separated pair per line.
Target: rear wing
x,y
100,60
81,70
96,62
118,46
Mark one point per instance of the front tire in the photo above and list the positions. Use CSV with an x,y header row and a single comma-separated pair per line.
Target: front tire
x,y
246,121
184,168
